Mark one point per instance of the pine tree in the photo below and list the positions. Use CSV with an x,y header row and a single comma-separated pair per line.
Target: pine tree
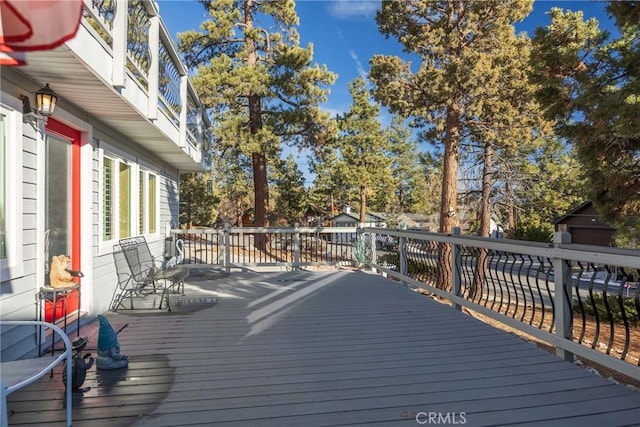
x,y
258,83
455,41
330,191
363,147
542,201
292,196
232,174
404,192
197,200
590,84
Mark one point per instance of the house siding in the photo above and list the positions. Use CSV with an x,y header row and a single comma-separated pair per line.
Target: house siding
x,y
103,272
18,294
585,227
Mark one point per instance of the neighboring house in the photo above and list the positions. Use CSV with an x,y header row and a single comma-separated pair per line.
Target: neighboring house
x,y
249,218
348,218
312,217
104,166
583,222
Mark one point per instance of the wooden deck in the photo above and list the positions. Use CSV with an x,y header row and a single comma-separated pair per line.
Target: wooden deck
x,y
325,349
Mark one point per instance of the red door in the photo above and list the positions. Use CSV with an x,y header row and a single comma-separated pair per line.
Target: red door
x,y
62,205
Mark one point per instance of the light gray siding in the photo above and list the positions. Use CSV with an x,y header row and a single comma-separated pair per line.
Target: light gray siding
x,y
18,295
103,269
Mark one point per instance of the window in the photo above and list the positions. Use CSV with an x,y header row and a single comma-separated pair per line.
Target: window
x,y
116,199
107,193
147,222
129,199
152,218
58,197
141,202
124,199
11,205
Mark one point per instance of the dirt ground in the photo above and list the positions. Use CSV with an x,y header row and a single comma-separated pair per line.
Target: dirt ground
x,y
589,335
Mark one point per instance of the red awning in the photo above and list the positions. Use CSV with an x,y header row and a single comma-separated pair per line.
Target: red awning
x,y
29,25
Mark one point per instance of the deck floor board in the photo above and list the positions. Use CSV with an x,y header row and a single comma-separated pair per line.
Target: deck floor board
x,y
324,349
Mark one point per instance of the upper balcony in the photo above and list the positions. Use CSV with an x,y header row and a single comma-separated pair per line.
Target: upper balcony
x,y
123,69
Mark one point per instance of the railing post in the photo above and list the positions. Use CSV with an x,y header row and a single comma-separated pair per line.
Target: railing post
x,y
402,251
227,247
455,273
374,255
154,67
562,303
119,64
296,246
184,80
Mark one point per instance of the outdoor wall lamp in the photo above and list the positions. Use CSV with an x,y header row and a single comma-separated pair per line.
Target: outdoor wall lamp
x,y
46,100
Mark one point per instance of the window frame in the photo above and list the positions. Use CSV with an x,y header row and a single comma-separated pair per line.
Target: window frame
x,y
13,266
137,216
144,203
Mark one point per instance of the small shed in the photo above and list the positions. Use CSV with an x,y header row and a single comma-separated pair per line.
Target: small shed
x,y
585,226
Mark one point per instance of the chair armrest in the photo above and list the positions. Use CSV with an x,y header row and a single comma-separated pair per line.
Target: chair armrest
x,y
19,373
32,374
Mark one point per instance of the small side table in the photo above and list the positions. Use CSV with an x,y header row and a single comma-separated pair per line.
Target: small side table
x,y
55,296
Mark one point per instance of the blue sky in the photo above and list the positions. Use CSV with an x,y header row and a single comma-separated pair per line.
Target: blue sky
x,y
345,35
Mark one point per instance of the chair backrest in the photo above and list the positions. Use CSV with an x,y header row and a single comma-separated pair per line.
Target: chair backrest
x,y
123,271
138,255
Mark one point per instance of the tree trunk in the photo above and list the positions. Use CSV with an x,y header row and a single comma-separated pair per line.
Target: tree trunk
x,y
480,272
363,203
485,209
239,212
449,197
448,201
261,189
258,158
511,217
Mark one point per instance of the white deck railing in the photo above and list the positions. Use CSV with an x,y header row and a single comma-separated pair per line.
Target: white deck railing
x,y
142,49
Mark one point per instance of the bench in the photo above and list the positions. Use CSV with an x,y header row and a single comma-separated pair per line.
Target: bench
x,y
17,374
140,274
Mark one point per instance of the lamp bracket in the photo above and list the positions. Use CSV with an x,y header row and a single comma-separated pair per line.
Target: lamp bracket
x,y
28,114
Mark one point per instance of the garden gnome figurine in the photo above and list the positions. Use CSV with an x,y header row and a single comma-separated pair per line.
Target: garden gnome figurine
x,y
109,356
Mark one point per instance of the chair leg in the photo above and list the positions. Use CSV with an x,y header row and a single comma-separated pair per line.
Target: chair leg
x,y
4,421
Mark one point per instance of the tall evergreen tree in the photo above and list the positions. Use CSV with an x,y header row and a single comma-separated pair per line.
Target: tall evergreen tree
x,y
591,87
292,200
542,201
453,40
232,177
330,190
428,188
456,41
403,192
364,149
197,200
509,123
258,83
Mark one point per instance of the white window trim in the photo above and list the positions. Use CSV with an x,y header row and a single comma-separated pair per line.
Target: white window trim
x,y
13,266
145,188
119,157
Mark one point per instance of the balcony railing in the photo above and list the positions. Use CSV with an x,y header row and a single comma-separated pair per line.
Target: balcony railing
x,y
594,316
143,49
238,247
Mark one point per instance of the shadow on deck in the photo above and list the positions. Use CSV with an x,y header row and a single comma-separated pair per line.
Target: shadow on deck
x,y
319,349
